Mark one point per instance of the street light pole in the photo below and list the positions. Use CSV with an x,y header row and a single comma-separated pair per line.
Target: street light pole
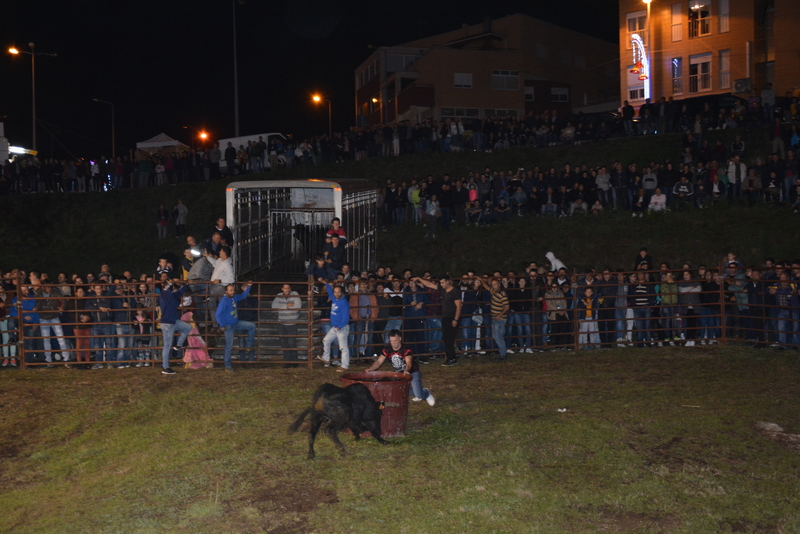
x,y
318,99
33,55
33,93
330,129
113,128
235,70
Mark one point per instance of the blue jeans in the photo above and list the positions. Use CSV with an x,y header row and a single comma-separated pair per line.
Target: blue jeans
x,y
784,333
124,341
416,386
7,330
325,327
434,334
519,324
641,315
340,334
620,320
168,331
498,331
361,337
241,326
55,325
468,333
32,346
101,337
709,324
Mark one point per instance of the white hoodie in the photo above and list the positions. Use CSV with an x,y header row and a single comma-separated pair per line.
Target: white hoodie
x,y
555,263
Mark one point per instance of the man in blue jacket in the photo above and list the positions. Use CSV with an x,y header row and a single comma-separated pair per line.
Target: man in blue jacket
x,y
229,323
340,327
169,301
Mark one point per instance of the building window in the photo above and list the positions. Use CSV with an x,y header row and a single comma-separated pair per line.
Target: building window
x,y
636,92
636,22
464,113
541,51
676,66
700,73
724,16
559,94
500,113
505,80
724,69
462,80
699,19
677,23
400,62
368,73
529,93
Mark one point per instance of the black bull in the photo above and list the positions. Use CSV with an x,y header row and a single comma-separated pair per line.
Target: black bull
x,y
352,407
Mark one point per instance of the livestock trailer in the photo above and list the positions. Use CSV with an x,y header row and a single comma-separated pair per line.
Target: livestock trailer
x,y
279,226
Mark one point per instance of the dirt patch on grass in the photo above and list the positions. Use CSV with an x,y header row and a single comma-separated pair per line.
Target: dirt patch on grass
x,y
742,525
292,497
621,521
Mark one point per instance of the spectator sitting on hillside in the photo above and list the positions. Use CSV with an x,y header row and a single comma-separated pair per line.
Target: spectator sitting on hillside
x,y
658,202
503,210
683,192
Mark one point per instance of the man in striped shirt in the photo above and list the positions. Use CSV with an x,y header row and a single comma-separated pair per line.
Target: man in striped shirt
x,y
499,311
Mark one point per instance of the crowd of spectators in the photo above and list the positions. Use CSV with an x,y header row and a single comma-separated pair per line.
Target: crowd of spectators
x,y
702,175
544,307
111,319
27,175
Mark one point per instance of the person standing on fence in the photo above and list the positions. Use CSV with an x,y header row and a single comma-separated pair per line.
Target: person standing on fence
x,y
288,304
402,359
340,327
169,301
228,318
222,276
451,315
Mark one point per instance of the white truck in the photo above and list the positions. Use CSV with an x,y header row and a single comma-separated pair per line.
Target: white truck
x,y
6,151
236,142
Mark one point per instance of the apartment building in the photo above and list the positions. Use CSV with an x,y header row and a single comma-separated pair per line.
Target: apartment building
x,y
512,65
692,48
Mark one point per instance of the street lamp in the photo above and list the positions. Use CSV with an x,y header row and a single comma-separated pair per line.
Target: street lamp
x,y
15,51
318,99
113,128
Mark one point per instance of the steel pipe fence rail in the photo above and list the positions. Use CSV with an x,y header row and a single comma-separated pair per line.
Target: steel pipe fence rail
x,y
720,317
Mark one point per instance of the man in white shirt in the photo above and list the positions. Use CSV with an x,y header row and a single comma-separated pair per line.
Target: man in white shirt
x,y
737,172
220,278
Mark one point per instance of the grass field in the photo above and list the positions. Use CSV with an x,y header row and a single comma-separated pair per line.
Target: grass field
x,y
663,440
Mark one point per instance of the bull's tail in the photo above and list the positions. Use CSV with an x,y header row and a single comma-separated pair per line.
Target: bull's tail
x,y
300,419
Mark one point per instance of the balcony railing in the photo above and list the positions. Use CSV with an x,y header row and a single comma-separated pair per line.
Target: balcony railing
x,y
700,27
699,83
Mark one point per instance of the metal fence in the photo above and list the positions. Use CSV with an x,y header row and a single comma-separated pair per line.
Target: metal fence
x,y
760,313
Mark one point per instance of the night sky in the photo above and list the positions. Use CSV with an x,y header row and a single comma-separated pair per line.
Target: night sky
x,y
168,64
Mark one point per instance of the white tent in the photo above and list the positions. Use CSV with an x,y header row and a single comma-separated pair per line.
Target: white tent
x,y
162,140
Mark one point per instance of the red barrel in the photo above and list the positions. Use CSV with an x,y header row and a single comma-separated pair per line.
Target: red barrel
x,y
391,389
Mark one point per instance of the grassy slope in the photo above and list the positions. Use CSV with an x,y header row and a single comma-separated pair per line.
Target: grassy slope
x,y
77,233
662,441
